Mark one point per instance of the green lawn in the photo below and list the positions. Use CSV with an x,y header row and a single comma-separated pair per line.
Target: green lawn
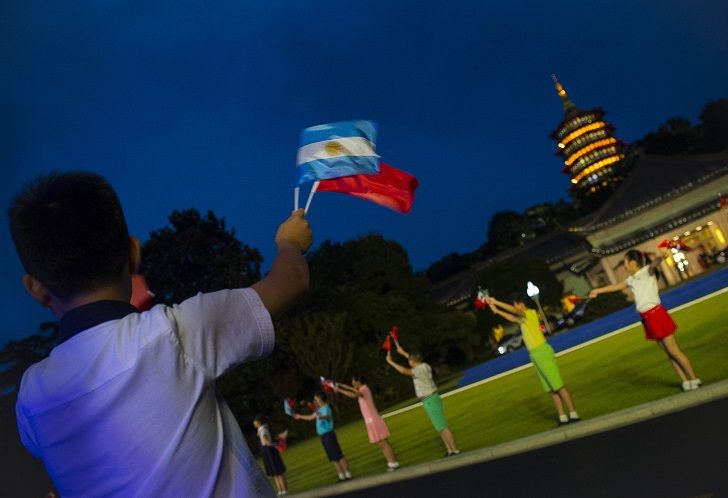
x,y
616,373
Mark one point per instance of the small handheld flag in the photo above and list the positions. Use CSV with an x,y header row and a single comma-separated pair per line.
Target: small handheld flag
x,y
387,346
327,384
281,443
391,187
481,300
288,407
337,149
393,334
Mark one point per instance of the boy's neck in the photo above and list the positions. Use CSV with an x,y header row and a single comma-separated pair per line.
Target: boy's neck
x,y
110,293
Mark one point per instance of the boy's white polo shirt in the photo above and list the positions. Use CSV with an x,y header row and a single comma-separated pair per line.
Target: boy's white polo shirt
x,y
126,405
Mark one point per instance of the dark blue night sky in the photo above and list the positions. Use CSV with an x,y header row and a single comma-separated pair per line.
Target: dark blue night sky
x,y
199,104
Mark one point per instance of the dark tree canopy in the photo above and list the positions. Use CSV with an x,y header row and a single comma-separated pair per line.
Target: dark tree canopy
x,y
196,254
509,229
505,279
18,355
678,136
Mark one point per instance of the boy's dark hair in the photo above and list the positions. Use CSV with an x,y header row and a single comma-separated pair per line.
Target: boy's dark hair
x,y
415,356
359,378
69,231
321,394
636,256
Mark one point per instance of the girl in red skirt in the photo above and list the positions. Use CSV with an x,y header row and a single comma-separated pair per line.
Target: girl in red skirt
x,y
658,324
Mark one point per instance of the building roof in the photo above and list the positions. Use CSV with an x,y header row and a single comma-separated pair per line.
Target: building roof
x,y
555,247
654,180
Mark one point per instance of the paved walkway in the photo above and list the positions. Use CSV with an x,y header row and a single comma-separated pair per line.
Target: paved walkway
x,y
468,466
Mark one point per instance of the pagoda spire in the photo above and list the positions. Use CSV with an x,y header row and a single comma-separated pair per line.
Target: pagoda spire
x,y
568,104
593,157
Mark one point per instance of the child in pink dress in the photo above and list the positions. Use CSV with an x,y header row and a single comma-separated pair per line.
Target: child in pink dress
x,y
377,429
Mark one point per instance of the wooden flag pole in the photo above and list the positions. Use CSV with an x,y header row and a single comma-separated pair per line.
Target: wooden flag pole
x,y
310,196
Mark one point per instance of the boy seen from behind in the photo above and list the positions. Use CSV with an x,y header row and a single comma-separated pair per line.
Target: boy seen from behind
x,y
125,404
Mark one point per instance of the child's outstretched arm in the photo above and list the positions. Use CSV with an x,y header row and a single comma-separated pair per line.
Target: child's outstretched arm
x,y
608,288
655,263
288,277
309,417
401,350
504,306
347,391
397,366
508,316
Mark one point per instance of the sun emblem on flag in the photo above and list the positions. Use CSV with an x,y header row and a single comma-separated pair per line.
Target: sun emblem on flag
x,y
334,148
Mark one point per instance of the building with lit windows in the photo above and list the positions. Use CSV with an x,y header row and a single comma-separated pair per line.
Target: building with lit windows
x,y
678,200
593,157
674,201
673,207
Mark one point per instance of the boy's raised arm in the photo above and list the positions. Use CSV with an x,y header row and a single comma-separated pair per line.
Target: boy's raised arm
x,y
288,277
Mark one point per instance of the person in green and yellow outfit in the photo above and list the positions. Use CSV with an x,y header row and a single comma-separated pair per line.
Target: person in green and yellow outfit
x,y
541,353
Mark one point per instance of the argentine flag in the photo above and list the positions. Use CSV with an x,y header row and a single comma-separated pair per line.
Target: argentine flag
x,y
337,149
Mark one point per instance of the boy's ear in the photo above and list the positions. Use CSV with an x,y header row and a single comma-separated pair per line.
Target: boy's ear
x,y
135,255
37,290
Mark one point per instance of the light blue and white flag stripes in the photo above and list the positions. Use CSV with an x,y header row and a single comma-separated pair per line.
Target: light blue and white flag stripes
x,y
337,149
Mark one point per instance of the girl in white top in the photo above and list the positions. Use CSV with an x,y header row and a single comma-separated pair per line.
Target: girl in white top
x,y
657,323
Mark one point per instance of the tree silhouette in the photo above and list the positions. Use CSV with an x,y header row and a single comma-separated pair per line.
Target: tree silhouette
x,y
196,254
18,355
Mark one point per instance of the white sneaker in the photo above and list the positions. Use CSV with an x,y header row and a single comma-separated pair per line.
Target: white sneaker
x,y
695,383
687,386
391,467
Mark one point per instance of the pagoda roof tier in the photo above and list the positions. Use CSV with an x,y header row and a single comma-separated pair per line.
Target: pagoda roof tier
x,y
609,142
574,112
652,181
594,136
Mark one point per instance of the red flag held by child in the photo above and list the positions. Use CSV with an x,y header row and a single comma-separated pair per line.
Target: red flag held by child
x,y
387,346
393,334
391,187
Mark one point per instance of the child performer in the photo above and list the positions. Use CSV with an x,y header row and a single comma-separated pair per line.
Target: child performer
x,y
274,466
325,429
540,352
657,323
426,391
377,429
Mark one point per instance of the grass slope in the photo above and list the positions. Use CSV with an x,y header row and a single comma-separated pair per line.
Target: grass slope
x,y
616,373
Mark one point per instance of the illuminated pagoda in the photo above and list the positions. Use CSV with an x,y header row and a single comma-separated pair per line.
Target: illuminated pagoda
x,y
593,157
